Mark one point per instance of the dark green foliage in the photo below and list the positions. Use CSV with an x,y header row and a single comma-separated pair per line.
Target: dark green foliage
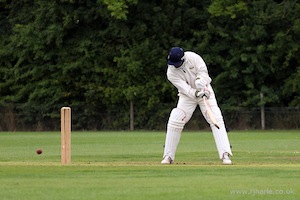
x,y
98,56
258,50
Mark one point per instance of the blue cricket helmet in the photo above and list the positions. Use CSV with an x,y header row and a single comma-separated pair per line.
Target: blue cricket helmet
x,y
176,57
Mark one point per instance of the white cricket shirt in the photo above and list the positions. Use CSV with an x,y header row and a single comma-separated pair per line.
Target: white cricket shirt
x,y
183,78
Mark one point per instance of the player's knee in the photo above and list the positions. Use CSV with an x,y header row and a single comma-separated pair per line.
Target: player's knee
x,y
219,119
177,118
218,115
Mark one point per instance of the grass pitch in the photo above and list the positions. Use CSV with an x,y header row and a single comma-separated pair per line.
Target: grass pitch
x,y
125,165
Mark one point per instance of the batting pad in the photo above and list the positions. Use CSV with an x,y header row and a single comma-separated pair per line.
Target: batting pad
x,y
174,128
221,139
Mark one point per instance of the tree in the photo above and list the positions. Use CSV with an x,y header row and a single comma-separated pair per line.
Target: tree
x,y
100,56
261,51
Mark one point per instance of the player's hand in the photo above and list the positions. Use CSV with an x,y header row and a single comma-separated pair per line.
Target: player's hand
x,y
203,92
200,83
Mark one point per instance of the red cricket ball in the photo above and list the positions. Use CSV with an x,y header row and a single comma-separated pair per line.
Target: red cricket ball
x,y
39,151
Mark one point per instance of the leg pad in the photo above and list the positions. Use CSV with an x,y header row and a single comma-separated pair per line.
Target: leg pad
x,y
175,126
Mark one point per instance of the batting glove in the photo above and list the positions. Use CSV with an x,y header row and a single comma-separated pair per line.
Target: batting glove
x,y
203,92
200,83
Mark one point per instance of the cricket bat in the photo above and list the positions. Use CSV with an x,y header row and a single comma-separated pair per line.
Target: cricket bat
x,y
210,113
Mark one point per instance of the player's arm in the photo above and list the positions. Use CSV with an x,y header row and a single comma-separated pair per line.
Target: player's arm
x,y
186,89
181,85
202,79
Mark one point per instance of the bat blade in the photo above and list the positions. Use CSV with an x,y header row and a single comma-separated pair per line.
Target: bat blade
x,y
210,113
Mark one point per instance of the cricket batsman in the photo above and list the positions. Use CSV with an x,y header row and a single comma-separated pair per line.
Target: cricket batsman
x,y
188,72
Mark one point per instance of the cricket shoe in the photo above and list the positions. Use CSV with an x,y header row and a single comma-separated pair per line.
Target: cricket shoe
x,y
226,159
167,160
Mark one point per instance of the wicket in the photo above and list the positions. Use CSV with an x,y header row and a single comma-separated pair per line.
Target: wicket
x,y
65,135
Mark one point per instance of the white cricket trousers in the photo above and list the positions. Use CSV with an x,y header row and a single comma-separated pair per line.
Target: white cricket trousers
x,y
188,106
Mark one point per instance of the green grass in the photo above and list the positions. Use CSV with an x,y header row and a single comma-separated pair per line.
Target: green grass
x,y
125,165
